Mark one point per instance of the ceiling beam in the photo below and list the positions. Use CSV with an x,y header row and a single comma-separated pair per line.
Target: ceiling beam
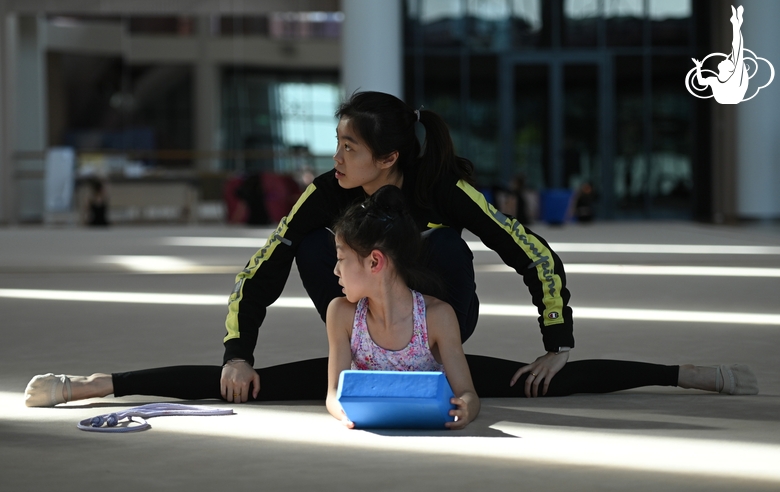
x,y
168,7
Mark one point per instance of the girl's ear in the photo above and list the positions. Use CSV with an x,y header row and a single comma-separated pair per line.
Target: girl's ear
x,y
377,261
387,161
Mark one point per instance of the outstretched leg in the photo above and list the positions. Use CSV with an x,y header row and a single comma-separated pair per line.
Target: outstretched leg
x,y
303,380
491,377
47,390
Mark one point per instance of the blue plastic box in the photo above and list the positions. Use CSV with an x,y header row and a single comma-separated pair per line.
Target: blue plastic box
x,y
396,400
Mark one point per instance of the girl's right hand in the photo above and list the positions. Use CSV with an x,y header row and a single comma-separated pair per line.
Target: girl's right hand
x,y
344,420
234,385
461,414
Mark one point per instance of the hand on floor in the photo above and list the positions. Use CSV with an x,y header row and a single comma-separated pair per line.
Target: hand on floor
x,y
541,370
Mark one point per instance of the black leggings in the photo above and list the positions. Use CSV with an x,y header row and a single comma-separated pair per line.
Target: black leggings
x,y
308,379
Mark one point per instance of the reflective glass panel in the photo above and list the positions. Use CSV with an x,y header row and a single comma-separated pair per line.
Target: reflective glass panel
x,y
482,118
99,103
580,142
580,22
526,22
624,22
630,163
488,24
441,93
670,178
494,10
670,22
531,124
283,125
443,22
306,114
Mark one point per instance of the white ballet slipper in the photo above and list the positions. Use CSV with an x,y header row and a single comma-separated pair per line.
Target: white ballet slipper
x,y
45,390
736,379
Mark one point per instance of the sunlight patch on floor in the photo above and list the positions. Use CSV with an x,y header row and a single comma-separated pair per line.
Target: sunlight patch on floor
x,y
679,249
311,425
686,249
484,309
163,264
613,269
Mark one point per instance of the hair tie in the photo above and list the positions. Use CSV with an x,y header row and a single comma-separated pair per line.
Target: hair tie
x,y
417,112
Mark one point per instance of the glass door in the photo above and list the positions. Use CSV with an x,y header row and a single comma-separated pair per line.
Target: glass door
x,y
559,125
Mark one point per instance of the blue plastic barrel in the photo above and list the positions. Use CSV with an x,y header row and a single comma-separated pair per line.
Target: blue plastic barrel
x,y
555,205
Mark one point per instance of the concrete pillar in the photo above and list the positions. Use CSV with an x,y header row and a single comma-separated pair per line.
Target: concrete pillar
x,y
758,120
31,128
372,46
8,107
31,90
207,96
723,129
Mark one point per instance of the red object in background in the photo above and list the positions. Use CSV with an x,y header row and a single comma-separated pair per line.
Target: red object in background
x,y
281,192
236,209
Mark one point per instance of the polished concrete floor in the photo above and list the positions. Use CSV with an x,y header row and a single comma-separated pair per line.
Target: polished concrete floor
x,y
65,307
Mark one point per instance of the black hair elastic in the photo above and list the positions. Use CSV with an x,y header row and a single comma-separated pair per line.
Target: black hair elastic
x,y
379,215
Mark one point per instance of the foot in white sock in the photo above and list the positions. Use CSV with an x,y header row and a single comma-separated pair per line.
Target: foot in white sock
x,y
736,379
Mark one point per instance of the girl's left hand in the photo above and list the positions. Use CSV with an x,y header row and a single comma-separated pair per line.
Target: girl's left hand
x,y
542,369
461,414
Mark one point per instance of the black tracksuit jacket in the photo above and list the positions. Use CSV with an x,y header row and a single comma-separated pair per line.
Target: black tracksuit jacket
x,y
455,204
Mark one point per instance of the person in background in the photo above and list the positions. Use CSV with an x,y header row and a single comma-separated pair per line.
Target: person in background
x,y
97,204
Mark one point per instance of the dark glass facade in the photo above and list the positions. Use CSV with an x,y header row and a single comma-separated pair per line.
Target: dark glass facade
x,y
565,93
278,122
103,104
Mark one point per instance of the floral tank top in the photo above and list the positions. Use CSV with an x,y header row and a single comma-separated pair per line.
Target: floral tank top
x,y
417,356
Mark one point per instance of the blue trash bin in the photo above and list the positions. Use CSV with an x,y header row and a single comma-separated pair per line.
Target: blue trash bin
x,y
555,205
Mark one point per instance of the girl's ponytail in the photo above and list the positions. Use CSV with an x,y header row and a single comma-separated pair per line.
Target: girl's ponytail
x,y
438,158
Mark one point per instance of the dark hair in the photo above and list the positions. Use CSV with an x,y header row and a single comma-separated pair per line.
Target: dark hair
x,y
383,222
386,124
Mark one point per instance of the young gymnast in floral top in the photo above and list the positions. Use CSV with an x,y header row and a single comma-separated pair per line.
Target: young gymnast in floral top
x,y
382,324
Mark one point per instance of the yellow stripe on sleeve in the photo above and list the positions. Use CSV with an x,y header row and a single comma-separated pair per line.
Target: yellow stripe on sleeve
x,y
262,255
534,249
